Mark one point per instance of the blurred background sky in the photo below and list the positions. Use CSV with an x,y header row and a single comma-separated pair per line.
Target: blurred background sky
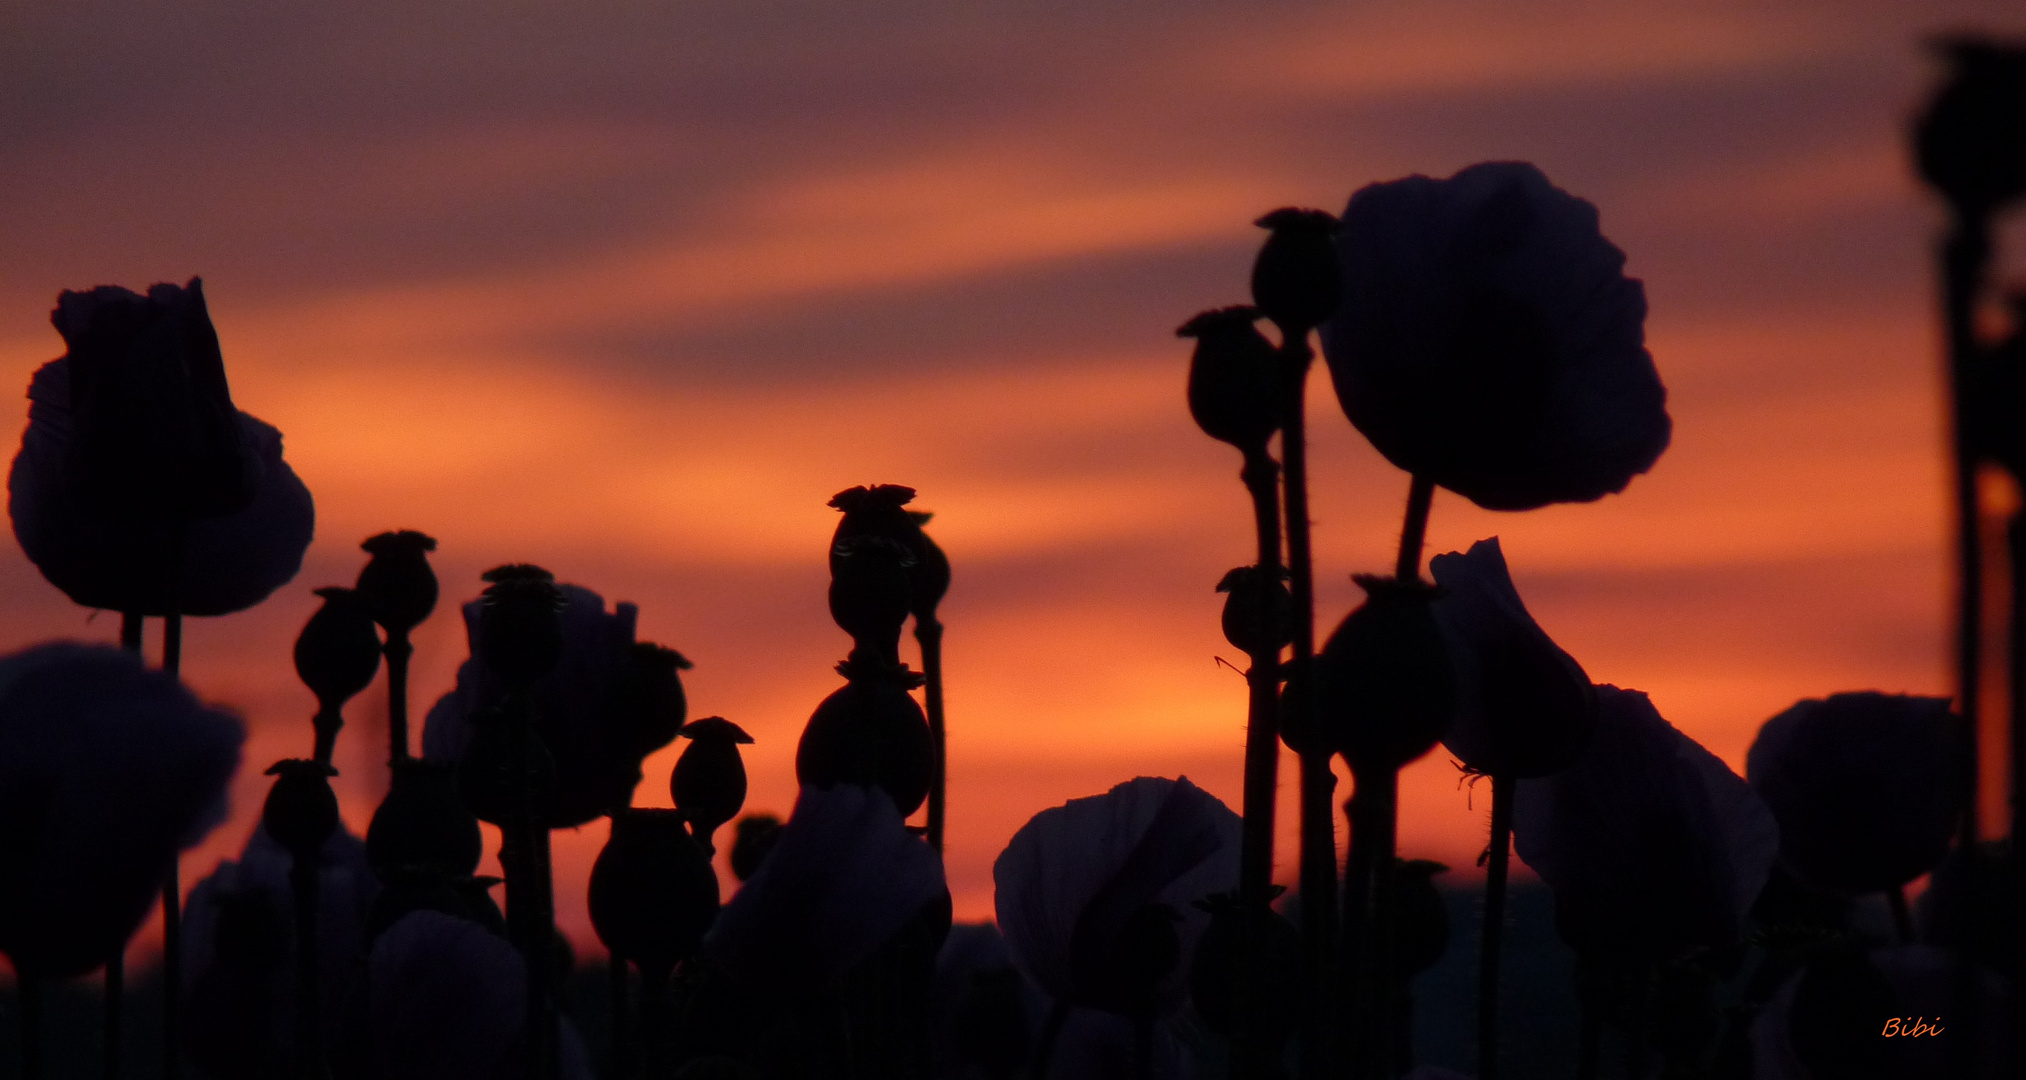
x,y
630,289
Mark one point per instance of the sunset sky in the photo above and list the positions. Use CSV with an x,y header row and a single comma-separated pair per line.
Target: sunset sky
x,y
630,290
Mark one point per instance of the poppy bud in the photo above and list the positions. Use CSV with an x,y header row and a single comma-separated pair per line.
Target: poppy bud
x,y
1971,142
1385,691
520,635
338,651
754,838
301,811
1258,612
1234,378
653,892
397,585
871,732
1295,280
506,770
422,824
929,577
1300,728
647,704
1217,974
709,781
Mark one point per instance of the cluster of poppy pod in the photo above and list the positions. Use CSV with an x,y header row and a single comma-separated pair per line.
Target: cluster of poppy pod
x,y
1478,329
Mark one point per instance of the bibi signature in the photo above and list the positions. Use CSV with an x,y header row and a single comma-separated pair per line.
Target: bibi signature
x,y
1912,1025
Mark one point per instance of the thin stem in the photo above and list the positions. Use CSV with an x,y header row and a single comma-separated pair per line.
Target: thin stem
x,y
172,644
115,992
327,724
1503,791
1253,1049
1414,532
172,970
130,631
1368,919
622,1045
1318,816
309,1030
929,635
398,651
1051,1031
2017,657
1964,256
653,1032
1902,920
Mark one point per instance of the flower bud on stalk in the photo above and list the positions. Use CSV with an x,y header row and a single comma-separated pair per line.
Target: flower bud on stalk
x,y
871,732
399,588
709,780
1385,689
1971,142
422,825
653,894
1234,378
1258,612
336,656
1295,280
647,703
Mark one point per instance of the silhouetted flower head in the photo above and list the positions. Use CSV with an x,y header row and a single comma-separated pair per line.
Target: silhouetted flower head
x,y
1971,142
520,628
1524,707
754,836
397,584
1234,378
448,999
595,743
239,952
647,704
844,876
1863,786
869,731
1079,885
708,783
338,652
653,892
1651,843
139,487
1295,280
107,770
301,811
876,522
1385,689
422,824
1489,340
1258,612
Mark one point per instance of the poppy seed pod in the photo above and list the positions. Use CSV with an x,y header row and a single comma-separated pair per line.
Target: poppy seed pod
x,y
646,702
506,770
1525,708
1295,280
876,511
1489,340
1216,975
1863,786
709,780
1385,689
653,892
1971,141
422,824
929,577
1234,378
338,651
869,731
301,811
397,584
520,634
1300,728
751,841
870,597
1258,612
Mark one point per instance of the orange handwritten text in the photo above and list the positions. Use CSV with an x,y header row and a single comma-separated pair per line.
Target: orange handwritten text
x,y
1916,1026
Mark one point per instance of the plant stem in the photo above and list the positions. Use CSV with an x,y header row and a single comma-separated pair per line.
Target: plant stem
x,y
929,635
327,723
1368,911
1414,531
622,1047
1503,791
1964,256
1253,1051
130,631
1318,783
398,651
653,1032
2017,539
309,1029
172,897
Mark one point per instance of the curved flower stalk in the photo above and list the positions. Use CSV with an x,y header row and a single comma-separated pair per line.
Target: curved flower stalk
x,y
1651,844
1096,899
843,877
597,747
239,978
107,770
1863,788
1525,709
1489,341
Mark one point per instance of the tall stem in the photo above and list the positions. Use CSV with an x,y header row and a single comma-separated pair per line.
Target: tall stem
x,y
28,991
113,1003
1368,908
653,1032
172,898
1414,531
1964,256
929,635
1318,783
1503,790
1254,1050
2017,657
397,650
309,1028
622,1044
